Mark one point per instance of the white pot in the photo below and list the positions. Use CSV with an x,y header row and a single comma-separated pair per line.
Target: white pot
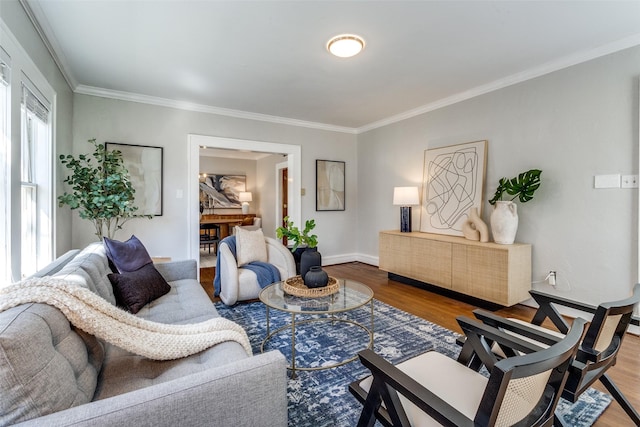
x,y
504,222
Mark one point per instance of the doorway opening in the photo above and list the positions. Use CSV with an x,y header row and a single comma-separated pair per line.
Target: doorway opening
x,y
293,166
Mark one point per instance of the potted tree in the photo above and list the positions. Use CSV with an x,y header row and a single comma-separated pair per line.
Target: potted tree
x,y
101,189
310,257
504,218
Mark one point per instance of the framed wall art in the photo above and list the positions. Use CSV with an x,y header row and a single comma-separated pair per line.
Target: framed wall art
x,y
453,183
221,191
144,164
330,189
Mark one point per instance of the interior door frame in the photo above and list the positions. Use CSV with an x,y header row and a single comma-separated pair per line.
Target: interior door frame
x,y
279,215
195,142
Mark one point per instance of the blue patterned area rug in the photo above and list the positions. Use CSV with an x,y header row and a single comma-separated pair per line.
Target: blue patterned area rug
x,y
321,398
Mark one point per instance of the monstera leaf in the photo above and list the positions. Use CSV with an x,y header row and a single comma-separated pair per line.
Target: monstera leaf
x,y
521,187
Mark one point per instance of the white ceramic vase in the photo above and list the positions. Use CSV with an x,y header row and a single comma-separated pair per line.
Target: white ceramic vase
x,y
504,222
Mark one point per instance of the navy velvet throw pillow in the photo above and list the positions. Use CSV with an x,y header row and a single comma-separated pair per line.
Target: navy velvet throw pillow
x,y
134,290
126,256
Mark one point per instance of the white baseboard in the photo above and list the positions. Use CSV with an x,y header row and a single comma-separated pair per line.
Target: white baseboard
x,y
345,258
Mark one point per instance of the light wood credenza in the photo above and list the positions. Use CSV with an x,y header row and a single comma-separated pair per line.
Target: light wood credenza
x,y
500,274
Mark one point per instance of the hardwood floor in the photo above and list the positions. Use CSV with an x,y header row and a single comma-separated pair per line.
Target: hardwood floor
x,y
444,310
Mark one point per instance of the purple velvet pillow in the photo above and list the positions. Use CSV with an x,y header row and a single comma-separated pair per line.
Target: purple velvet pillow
x,y
136,289
126,256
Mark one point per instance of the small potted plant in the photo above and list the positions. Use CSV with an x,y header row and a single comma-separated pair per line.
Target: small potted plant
x,y
310,256
504,218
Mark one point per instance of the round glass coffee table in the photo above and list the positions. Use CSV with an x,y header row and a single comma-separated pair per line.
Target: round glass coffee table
x,y
350,296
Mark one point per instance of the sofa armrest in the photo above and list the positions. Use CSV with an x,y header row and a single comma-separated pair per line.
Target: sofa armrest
x,y
178,270
250,392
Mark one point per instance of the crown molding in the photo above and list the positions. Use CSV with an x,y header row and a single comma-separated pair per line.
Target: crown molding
x,y
39,22
182,105
41,25
547,68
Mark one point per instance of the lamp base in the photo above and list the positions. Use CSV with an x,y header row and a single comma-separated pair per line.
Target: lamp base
x,y
245,208
405,219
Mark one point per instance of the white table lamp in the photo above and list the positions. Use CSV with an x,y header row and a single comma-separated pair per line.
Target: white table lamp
x,y
245,198
405,197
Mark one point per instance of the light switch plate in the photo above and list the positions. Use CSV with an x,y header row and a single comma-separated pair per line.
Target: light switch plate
x,y
606,181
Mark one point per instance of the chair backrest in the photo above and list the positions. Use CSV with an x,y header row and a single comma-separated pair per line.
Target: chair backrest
x,y
524,390
608,328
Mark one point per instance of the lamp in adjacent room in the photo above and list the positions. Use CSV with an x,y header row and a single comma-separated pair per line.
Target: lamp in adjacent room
x,y
245,198
405,197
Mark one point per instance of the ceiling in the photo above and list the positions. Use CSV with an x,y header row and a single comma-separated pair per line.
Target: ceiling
x,y
267,60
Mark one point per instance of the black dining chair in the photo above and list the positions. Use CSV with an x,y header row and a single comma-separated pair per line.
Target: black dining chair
x,y
209,235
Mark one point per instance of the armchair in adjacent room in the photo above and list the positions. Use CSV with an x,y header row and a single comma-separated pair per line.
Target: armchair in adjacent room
x,y
249,224
239,283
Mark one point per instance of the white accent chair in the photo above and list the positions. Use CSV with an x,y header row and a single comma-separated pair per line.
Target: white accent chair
x,y
241,284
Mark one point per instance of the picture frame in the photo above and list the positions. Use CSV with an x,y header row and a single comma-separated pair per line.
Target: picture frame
x,y
330,185
145,166
221,191
453,183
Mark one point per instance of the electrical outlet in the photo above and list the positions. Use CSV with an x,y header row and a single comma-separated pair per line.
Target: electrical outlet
x,y
551,278
629,181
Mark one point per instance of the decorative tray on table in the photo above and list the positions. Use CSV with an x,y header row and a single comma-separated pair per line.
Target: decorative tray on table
x,y
295,286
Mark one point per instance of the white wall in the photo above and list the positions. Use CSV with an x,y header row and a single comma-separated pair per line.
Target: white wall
x,y
135,123
266,187
573,124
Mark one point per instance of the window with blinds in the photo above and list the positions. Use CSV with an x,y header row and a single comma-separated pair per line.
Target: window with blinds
x,y
5,166
35,199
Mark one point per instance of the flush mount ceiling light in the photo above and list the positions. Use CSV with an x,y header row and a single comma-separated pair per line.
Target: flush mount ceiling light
x,y
345,45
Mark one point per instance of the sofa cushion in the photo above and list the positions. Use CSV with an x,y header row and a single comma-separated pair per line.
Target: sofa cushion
x,y
126,256
250,246
89,269
45,366
186,303
136,289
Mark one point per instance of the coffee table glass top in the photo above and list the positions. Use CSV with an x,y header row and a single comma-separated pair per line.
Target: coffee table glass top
x,y
351,295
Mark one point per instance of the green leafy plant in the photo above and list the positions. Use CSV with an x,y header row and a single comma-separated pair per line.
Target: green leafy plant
x,y
101,189
291,232
521,187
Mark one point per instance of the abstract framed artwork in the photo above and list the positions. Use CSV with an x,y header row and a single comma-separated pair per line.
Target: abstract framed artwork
x,y
222,191
330,189
453,183
144,164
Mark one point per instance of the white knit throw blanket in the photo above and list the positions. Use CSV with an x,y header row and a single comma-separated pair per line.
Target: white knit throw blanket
x,y
96,316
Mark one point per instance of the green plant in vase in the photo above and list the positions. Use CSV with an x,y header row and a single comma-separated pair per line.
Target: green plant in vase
x,y
310,257
293,233
521,187
101,189
504,218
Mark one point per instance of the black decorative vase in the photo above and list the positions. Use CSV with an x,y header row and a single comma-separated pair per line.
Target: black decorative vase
x,y
297,254
309,258
316,277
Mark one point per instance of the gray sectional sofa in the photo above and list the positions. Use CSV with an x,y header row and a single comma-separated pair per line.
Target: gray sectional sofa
x,y
54,374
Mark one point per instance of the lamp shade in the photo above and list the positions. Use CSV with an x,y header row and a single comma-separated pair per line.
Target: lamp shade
x,y
245,196
406,196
